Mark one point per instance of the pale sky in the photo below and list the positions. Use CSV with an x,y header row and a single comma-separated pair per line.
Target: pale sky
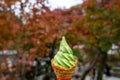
x,y
63,3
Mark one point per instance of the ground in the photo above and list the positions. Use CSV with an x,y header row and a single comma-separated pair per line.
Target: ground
x,y
105,78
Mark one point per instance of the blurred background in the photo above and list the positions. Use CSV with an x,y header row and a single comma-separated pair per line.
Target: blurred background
x,y
31,31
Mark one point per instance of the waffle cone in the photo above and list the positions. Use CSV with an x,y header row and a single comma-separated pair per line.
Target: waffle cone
x,y
63,72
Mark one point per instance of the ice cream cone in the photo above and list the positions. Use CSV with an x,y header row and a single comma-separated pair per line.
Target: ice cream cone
x,y
63,73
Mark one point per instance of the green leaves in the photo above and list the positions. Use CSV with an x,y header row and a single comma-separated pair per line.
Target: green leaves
x,y
28,46
104,25
105,47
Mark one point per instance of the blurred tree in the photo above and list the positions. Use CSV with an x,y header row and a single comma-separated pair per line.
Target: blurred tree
x,y
9,25
98,30
13,17
94,24
46,28
36,30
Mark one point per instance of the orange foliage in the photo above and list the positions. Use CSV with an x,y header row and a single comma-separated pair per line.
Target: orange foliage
x,y
33,31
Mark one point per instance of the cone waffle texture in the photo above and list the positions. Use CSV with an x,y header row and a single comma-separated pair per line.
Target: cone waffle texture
x,y
63,72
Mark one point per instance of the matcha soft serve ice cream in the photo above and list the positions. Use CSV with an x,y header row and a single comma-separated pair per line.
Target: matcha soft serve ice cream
x,y
64,62
64,56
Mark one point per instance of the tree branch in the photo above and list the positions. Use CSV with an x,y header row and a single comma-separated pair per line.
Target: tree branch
x,y
91,65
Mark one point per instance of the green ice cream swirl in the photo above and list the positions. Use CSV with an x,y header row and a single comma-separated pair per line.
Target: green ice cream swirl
x,y
64,56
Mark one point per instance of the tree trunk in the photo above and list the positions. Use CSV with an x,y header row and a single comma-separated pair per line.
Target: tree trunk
x,y
53,48
101,66
51,54
92,64
99,74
